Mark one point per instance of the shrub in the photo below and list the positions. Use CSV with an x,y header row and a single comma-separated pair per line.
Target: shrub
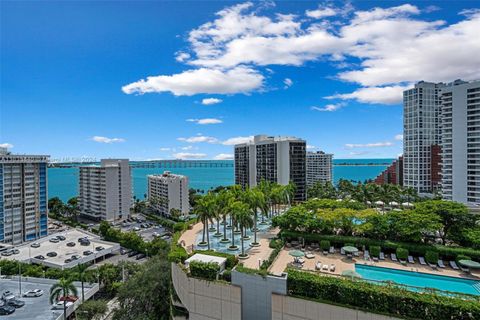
x,y
392,300
260,272
325,244
203,270
227,275
231,262
177,253
278,247
375,251
179,226
402,253
431,257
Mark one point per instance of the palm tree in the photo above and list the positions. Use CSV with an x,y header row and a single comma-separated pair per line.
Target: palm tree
x,y
203,210
82,275
235,207
290,189
64,287
255,199
224,203
244,219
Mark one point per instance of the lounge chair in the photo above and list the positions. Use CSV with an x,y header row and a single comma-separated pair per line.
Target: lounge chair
x,y
342,251
465,269
325,252
381,256
301,261
349,256
431,265
309,255
404,262
394,257
422,261
332,250
454,266
325,267
366,255
410,259
318,265
332,267
356,254
440,263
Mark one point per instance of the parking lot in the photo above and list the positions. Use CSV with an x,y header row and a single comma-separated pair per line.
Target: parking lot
x,y
60,255
38,308
147,229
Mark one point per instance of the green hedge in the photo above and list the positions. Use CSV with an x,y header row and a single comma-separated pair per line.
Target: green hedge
x,y
177,253
325,244
242,269
277,245
402,253
375,251
232,260
431,257
448,253
392,300
207,271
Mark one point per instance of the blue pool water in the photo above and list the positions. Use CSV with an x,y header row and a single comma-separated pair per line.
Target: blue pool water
x,y
216,245
418,279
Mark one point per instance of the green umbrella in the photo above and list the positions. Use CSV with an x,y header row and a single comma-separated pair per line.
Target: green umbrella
x,y
470,264
296,253
351,274
350,249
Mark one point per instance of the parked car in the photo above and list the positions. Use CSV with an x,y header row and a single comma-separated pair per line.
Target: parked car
x,y
7,253
40,257
35,245
87,253
15,251
76,257
61,238
8,295
67,260
132,253
52,254
140,256
6,310
99,248
54,240
71,244
59,305
85,242
82,238
123,251
68,298
136,229
16,303
33,293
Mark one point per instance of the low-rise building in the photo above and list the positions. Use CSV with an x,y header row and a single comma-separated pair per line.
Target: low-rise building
x,y
105,191
168,191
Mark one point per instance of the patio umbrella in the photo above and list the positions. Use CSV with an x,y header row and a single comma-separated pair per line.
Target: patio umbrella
x,y
393,204
470,264
407,204
379,203
350,249
339,200
351,274
296,253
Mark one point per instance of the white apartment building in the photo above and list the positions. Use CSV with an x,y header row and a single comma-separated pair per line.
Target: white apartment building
x,y
23,197
461,141
168,191
319,167
422,137
275,159
105,191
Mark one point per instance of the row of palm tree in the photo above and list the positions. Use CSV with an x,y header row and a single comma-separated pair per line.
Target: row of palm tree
x,y
242,207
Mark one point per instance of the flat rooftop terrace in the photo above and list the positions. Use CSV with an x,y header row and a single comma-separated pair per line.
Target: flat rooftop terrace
x,y
28,253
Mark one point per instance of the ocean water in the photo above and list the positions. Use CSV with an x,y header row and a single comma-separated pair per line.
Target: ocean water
x,y
63,182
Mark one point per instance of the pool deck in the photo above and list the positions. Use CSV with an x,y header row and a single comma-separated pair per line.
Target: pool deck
x,y
343,263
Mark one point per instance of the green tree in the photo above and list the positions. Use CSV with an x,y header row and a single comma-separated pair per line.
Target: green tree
x,y
63,288
91,310
82,276
205,211
56,206
245,221
73,208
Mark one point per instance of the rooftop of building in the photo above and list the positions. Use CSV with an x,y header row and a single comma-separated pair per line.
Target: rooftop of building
x,y
165,175
262,138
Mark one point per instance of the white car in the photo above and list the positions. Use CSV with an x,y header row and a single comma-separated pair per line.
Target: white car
x,y
35,245
33,293
59,305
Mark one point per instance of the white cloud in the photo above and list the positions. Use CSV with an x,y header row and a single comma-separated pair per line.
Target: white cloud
x,y
189,148
188,155
182,56
107,140
223,156
198,139
237,140
205,121
321,12
203,80
165,149
6,145
380,95
358,153
369,145
287,82
329,107
209,101
399,137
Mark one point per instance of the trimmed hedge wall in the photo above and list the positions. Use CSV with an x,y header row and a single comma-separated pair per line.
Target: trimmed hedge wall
x,y
449,253
390,300
207,271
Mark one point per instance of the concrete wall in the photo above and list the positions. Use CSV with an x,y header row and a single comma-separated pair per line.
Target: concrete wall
x,y
290,308
257,293
206,299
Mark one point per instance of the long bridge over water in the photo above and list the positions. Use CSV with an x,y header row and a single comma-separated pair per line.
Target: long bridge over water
x,y
164,164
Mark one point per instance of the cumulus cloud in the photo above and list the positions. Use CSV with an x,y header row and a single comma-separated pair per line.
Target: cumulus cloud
x,y
237,140
321,12
205,121
378,95
198,139
330,107
287,83
186,148
203,80
399,137
189,156
369,145
209,101
6,145
107,140
223,156
182,56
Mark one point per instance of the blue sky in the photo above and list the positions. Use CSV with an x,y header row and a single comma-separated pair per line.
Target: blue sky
x,y
74,75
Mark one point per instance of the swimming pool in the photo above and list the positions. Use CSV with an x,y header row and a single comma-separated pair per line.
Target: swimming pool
x,y
418,279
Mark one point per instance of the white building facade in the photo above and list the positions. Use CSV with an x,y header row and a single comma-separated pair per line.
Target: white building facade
x,y
274,159
319,167
168,191
105,191
422,137
461,142
23,197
